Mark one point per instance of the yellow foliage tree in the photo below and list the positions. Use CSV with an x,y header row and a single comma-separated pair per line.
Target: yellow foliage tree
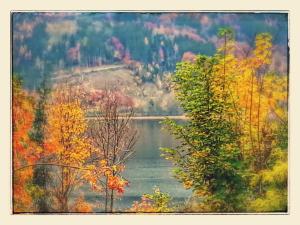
x,y
68,144
260,100
258,97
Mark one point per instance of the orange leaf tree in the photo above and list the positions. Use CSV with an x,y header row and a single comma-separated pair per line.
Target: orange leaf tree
x,y
25,151
68,145
113,136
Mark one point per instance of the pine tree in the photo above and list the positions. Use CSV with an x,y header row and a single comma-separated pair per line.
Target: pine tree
x,y
41,173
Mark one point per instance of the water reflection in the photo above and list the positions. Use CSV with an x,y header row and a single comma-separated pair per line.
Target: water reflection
x,y
146,168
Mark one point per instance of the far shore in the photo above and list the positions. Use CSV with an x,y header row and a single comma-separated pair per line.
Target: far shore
x,y
182,117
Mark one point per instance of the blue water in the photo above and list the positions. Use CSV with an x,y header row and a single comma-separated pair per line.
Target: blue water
x,y
147,169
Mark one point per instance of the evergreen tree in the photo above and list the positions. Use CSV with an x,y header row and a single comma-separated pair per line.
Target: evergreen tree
x,y
41,173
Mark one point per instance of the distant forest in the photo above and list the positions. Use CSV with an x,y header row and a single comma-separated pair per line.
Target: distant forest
x,y
149,44
43,42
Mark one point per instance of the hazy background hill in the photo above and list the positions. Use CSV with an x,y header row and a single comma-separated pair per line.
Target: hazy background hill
x,y
136,51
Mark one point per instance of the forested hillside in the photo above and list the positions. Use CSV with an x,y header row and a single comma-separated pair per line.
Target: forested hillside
x,y
148,44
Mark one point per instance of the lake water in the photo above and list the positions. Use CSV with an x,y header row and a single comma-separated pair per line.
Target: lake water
x,y
147,169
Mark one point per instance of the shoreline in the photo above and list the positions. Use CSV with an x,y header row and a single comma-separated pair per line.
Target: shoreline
x,y
182,117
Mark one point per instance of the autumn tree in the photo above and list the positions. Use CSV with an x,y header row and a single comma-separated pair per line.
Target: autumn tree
x,y
114,137
208,158
264,128
25,151
260,99
250,102
67,141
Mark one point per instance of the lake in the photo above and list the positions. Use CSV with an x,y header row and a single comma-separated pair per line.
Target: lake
x,y
147,169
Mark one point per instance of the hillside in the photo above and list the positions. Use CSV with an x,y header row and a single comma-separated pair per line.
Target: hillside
x,y
146,45
150,98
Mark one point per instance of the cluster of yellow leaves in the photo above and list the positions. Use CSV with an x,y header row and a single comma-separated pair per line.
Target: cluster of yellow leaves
x,y
80,205
276,179
263,50
145,206
66,128
67,144
259,99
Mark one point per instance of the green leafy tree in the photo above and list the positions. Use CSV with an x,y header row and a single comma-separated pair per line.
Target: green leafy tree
x,y
208,158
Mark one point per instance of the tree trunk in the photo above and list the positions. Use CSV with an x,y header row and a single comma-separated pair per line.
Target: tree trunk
x,y
106,194
111,200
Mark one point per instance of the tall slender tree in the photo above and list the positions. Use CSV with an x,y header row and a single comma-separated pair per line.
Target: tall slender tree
x,y
67,144
25,152
114,137
41,173
208,158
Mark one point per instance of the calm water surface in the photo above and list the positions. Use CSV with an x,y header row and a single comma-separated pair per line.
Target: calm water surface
x,y
147,169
